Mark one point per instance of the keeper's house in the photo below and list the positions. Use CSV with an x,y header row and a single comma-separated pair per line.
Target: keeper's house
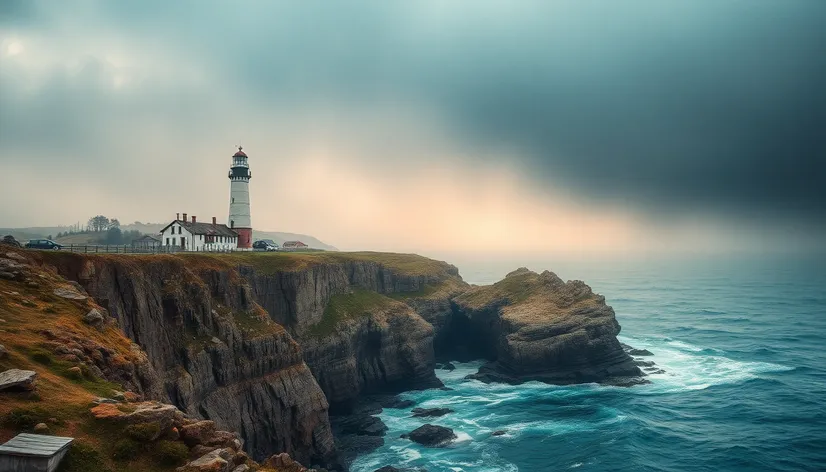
x,y
185,235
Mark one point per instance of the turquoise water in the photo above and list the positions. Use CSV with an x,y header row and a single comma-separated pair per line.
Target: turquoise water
x,y
743,344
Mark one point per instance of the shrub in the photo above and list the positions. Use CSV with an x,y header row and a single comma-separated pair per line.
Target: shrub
x,y
126,449
143,432
25,418
82,458
20,419
41,357
170,453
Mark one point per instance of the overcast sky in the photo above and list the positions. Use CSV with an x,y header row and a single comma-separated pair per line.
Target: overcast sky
x,y
592,126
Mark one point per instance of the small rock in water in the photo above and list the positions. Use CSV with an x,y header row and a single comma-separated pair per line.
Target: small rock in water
x,y
501,432
431,435
640,352
424,412
396,403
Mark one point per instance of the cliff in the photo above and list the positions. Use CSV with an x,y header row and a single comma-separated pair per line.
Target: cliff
x,y
537,327
85,379
213,351
347,311
268,344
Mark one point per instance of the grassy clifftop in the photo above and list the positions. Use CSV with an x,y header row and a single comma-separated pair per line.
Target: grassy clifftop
x,y
268,263
531,297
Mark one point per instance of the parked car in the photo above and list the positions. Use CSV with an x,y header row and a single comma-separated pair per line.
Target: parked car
x,y
43,244
265,245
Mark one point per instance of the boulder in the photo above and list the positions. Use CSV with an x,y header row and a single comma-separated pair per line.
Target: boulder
x,y
284,463
106,411
69,292
16,379
10,241
17,257
425,412
241,468
98,400
95,318
3,352
153,412
501,432
431,435
41,428
395,402
218,460
199,432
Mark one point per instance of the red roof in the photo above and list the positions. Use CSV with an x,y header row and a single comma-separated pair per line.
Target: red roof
x,y
240,153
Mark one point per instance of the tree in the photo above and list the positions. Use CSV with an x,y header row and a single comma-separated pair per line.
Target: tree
x,y
113,236
99,223
114,223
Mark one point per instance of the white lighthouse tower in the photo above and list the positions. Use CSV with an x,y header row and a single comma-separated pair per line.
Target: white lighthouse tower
x,y
239,199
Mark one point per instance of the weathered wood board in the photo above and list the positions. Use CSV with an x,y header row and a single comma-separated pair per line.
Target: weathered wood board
x,y
33,453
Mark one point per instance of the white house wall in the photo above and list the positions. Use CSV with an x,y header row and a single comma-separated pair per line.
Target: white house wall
x,y
196,242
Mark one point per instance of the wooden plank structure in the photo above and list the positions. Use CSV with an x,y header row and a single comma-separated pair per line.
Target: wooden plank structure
x,y
33,453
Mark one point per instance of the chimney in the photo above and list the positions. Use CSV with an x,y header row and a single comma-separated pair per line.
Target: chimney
x,y
177,216
213,220
193,219
184,218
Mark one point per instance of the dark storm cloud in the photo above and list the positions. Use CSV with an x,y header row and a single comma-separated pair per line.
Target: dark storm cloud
x,y
700,106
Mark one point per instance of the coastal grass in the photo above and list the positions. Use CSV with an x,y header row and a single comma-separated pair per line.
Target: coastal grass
x,y
349,306
269,263
514,289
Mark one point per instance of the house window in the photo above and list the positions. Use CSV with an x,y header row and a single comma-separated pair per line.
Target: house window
x,y
167,241
173,241
233,200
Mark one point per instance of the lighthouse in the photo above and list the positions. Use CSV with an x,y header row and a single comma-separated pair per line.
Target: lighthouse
x,y
239,199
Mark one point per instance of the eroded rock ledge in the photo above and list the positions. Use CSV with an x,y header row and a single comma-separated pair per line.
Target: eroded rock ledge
x,y
538,327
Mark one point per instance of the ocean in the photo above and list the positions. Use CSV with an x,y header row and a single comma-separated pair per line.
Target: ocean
x,y
743,346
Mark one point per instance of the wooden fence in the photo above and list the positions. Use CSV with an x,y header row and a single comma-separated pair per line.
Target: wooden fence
x,y
127,249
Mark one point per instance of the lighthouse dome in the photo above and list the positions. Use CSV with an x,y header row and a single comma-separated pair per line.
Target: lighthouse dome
x,y
240,153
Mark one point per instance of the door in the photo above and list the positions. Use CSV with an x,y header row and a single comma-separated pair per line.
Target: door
x,y
183,243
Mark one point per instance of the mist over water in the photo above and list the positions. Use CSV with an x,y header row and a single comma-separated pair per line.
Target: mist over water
x,y
744,386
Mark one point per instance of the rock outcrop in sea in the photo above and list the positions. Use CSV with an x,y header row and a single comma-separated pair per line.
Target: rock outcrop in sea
x,y
538,327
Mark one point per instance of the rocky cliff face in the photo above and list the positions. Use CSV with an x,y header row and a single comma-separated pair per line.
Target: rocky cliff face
x,y
215,353
378,344
537,327
222,333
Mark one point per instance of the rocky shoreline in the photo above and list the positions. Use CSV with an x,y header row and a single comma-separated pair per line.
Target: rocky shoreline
x,y
290,351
